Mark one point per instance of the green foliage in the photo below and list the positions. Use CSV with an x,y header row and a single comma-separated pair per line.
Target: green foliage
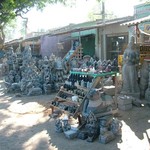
x,y
10,9
9,29
145,1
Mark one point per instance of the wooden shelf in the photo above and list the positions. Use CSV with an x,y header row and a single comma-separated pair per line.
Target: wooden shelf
x,y
63,90
68,101
82,88
60,99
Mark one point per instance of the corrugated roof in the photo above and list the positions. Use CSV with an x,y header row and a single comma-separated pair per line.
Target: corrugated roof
x,y
78,27
137,21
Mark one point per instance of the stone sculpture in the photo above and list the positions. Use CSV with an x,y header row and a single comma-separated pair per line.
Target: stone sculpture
x,y
11,58
144,77
92,127
59,126
147,93
129,71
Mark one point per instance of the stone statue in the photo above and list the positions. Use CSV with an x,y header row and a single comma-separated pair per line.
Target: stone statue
x,y
144,77
92,127
10,58
129,70
27,55
147,92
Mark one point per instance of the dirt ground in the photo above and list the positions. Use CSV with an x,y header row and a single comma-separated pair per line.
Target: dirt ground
x,y
25,125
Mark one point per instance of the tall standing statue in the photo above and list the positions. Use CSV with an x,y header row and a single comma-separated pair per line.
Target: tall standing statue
x,y
129,70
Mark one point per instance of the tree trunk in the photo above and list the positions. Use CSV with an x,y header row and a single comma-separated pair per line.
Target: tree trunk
x,y
2,36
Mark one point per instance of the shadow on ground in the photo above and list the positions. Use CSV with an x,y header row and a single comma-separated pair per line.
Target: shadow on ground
x,y
25,125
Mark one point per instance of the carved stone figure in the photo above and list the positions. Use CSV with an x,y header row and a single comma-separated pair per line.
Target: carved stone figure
x,y
10,58
147,93
26,54
92,127
59,126
129,70
144,77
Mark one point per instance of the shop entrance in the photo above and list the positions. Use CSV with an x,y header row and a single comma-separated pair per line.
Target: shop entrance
x,y
115,45
88,44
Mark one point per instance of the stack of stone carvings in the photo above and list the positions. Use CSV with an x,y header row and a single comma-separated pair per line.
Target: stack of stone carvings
x,y
105,128
93,65
31,76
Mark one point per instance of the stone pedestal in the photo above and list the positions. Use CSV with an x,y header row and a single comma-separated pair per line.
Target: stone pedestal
x,y
107,137
71,134
124,102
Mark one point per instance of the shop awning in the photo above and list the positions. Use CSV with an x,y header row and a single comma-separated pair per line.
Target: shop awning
x,y
137,21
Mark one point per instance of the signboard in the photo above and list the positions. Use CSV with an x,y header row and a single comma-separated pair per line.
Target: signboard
x,y
144,49
142,57
141,10
144,54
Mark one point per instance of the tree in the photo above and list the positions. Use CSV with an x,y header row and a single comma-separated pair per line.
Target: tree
x,y
9,30
10,9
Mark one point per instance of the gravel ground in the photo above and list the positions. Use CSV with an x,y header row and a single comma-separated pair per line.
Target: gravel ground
x,y
25,125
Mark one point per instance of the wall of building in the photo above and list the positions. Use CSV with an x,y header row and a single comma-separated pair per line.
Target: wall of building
x,y
115,29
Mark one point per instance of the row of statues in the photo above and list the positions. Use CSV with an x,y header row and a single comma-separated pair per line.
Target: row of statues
x,y
136,81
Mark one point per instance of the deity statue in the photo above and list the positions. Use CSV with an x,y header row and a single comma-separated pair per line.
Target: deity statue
x,y
27,55
144,77
129,70
10,58
147,92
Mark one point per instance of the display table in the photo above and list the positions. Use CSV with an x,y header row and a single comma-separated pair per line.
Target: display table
x,y
63,99
94,74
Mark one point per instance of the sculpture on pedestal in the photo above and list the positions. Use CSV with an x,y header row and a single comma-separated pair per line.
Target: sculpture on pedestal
x,y
129,70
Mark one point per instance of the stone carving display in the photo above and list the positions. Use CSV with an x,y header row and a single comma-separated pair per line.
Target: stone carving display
x,y
46,75
129,70
30,76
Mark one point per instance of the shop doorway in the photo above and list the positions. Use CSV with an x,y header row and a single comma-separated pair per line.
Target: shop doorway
x,y
116,46
88,44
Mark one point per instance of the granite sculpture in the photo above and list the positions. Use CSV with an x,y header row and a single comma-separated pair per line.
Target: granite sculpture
x,y
30,76
129,70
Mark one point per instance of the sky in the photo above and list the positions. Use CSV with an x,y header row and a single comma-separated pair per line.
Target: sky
x,y
54,16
